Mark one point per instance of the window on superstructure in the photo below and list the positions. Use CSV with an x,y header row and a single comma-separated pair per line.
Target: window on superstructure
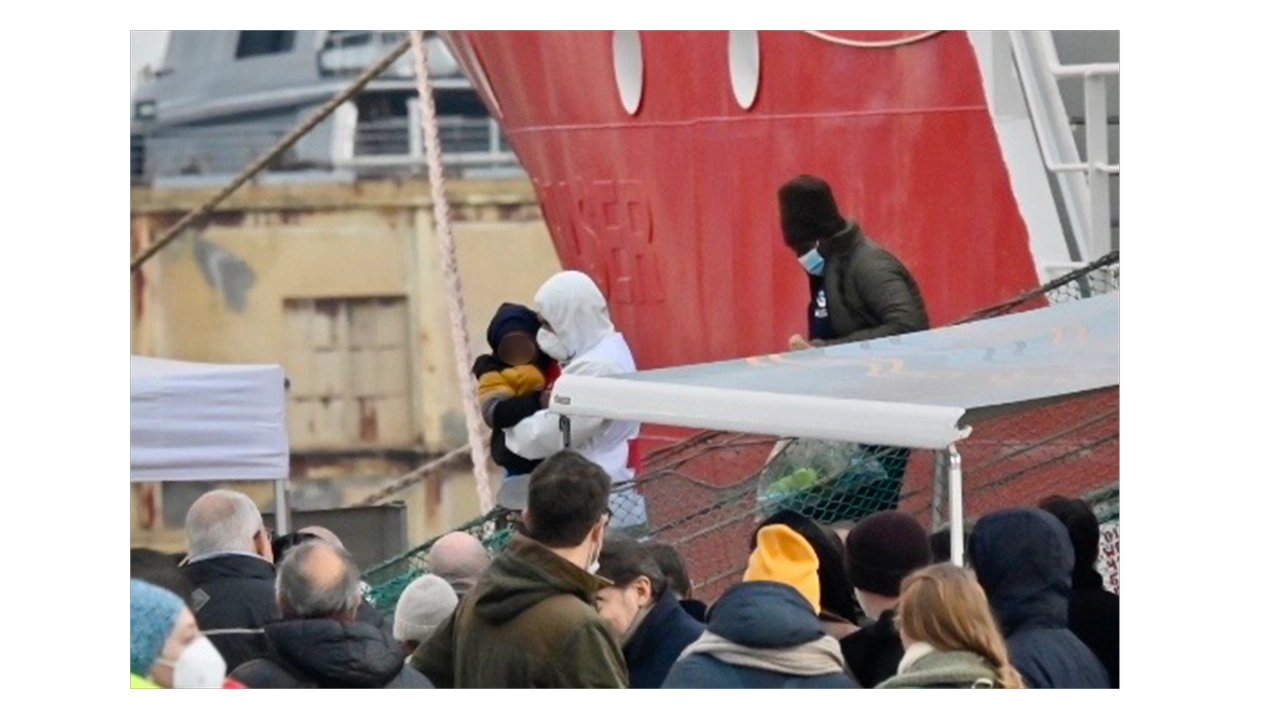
x,y
252,43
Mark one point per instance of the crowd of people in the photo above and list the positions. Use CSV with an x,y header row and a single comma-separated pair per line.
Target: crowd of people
x,y
573,603
580,599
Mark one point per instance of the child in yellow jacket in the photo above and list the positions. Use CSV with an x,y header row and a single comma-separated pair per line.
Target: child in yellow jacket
x,y
512,379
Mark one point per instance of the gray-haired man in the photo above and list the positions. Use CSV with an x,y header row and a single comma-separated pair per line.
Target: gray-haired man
x,y
229,565
319,643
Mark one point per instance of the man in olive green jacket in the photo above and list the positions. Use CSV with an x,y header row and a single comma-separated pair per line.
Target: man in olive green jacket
x,y
531,620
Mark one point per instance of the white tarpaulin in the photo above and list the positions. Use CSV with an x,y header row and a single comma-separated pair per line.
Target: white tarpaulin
x,y
190,421
905,391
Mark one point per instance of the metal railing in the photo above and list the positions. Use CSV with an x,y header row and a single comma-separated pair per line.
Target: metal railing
x,y
1084,183
349,52
385,146
467,142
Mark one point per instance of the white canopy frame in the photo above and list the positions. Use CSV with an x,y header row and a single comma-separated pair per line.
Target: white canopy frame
x,y
906,391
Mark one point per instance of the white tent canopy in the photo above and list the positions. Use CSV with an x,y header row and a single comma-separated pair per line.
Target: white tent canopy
x,y
906,391
204,422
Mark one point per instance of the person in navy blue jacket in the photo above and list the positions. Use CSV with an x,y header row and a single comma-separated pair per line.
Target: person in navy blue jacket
x,y
644,612
1024,559
765,633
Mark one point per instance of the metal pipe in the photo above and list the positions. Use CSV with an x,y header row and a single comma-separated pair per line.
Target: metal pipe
x,y
1065,166
939,486
1086,71
1095,127
282,506
956,506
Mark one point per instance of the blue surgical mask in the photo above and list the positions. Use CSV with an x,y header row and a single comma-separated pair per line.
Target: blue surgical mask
x,y
812,262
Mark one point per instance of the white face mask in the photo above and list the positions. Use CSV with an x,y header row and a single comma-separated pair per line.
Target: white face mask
x,y
594,565
552,345
200,666
866,604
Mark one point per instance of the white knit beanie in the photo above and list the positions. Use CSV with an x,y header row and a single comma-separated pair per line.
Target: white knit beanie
x,y
424,605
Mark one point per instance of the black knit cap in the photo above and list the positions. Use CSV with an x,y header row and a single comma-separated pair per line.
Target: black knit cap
x,y
809,212
509,318
882,549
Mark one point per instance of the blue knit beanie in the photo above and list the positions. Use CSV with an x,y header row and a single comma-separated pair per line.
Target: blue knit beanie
x,y
152,613
509,318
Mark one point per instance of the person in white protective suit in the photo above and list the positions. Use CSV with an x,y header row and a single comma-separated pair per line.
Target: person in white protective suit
x,y
577,332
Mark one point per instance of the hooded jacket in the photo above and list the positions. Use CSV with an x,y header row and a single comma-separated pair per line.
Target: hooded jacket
x,y
530,623
1023,559
329,654
578,314
762,635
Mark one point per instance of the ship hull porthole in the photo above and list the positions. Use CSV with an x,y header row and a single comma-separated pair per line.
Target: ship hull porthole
x,y
628,68
744,66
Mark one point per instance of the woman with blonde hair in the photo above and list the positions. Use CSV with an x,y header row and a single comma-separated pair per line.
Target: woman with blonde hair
x,y
950,636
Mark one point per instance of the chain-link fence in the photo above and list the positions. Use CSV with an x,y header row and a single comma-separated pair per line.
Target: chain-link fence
x,y
704,494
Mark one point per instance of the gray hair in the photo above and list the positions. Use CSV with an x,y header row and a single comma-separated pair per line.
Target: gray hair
x,y
222,521
307,589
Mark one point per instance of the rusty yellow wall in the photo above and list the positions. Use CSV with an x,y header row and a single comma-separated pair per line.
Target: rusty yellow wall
x,y
366,239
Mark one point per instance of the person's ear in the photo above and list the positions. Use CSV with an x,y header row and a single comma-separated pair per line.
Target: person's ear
x,y
644,590
262,540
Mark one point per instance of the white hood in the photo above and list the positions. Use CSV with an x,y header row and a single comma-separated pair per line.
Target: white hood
x,y
576,310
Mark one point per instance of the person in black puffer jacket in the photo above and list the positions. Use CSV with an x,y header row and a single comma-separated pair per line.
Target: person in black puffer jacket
x,y
319,642
512,379
285,542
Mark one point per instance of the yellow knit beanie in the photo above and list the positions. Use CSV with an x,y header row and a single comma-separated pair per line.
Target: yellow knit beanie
x,y
784,556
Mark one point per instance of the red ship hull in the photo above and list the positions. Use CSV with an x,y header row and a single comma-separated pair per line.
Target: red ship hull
x,y
673,210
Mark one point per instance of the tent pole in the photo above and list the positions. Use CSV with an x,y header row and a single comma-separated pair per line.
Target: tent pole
x,y
956,506
282,506
939,487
